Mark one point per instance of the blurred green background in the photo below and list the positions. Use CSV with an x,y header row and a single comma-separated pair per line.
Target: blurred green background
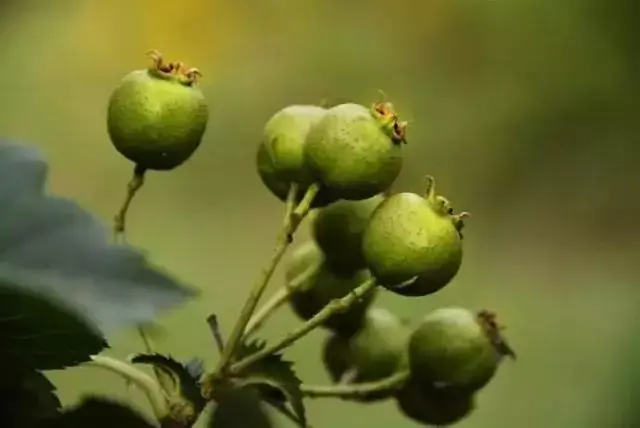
x,y
525,111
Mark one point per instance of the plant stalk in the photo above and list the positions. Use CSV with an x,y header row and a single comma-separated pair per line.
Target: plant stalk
x,y
279,298
356,390
291,222
335,306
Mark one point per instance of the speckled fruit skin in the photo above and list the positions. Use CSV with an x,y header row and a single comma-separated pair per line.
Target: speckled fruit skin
x,y
156,122
411,246
279,157
451,347
350,153
379,348
433,406
338,231
322,286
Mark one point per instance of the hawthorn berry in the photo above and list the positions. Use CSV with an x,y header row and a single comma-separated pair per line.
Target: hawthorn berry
x,y
321,285
412,244
280,154
354,152
157,116
338,230
456,347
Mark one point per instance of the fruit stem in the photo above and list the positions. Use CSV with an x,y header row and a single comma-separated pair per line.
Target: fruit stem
x,y
279,298
157,398
292,221
335,306
356,390
136,183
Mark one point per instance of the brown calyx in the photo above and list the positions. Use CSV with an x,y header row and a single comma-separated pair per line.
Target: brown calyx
x,y
174,70
488,321
388,117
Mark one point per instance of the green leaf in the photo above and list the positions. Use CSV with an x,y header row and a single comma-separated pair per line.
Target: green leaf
x,y
98,412
26,398
39,332
275,379
186,386
52,245
239,408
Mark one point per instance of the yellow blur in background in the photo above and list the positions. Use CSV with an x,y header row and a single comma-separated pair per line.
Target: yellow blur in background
x,y
525,112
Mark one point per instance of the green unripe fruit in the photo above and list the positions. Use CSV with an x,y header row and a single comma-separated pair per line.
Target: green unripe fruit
x,y
376,351
280,154
412,244
354,151
317,286
157,117
338,231
456,347
433,406
379,348
335,358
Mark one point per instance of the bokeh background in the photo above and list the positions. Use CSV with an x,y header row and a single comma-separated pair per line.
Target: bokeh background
x,y
526,112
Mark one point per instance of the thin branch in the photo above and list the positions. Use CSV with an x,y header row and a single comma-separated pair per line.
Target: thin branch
x,y
356,390
279,298
335,306
137,377
292,221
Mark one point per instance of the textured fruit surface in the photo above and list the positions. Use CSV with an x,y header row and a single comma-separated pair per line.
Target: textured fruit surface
x,y
157,117
413,244
338,231
354,151
452,346
320,286
280,154
432,406
379,348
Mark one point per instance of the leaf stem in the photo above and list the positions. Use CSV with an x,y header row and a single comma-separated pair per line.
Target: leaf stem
x,y
292,220
356,390
152,389
279,298
335,306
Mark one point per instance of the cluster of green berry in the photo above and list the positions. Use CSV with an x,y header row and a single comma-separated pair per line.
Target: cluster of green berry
x,y
363,234
339,163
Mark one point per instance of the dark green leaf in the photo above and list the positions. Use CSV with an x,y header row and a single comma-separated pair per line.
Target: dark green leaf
x,y
98,412
239,408
186,386
52,245
26,398
275,379
39,332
